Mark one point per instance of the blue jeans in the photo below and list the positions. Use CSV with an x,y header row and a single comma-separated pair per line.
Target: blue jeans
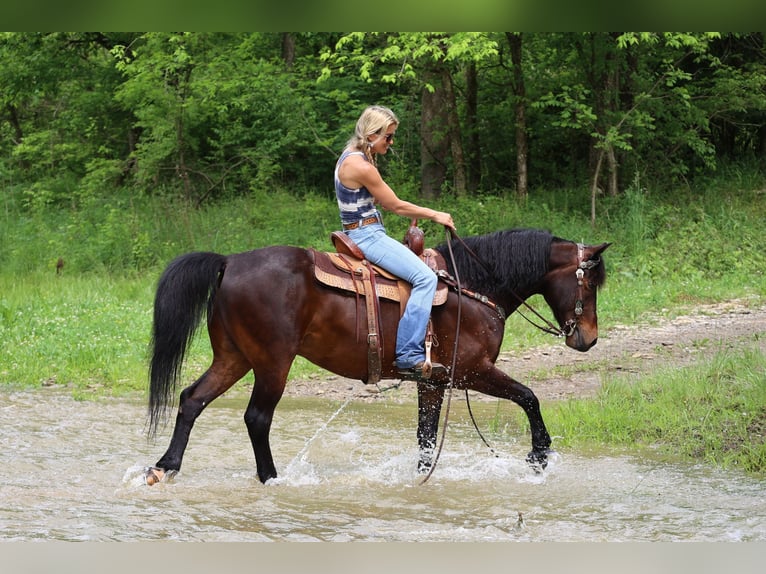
x,y
396,258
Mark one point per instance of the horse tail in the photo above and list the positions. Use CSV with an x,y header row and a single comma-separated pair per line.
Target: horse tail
x,y
185,291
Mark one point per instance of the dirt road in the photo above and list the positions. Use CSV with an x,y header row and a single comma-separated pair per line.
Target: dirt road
x,y
557,372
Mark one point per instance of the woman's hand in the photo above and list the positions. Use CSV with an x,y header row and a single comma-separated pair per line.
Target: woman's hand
x,y
443,218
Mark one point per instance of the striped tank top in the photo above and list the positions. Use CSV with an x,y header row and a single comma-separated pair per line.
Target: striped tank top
x,y
354,204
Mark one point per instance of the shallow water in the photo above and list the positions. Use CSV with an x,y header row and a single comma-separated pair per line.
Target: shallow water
x,y
72,470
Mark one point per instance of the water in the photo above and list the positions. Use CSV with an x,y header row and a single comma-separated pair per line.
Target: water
x,y
72,470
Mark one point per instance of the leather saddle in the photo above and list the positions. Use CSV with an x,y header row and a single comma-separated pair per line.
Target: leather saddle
x,y
348,270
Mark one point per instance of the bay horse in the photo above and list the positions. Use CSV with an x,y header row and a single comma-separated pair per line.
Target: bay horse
x,y
265,307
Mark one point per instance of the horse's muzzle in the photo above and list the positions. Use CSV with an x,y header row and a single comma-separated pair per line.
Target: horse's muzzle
x,y
579,341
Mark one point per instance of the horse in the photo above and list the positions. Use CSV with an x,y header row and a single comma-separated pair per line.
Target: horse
x,y
265,307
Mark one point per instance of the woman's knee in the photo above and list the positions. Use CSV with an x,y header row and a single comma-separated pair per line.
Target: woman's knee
x,y
426,279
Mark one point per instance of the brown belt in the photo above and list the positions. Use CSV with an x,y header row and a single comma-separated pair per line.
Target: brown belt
x,y
366,221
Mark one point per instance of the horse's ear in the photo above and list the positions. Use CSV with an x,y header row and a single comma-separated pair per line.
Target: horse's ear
x,y
599,249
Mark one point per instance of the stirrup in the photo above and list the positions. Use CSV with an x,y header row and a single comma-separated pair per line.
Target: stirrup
x,y
422,371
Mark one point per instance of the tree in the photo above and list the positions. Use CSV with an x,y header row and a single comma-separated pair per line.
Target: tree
x,y
206,115
429,62
520,115
55,96
665,118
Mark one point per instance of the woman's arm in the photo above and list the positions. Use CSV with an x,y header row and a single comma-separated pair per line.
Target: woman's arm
x,y
360,173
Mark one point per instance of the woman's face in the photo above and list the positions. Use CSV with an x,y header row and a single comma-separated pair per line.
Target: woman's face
x,y
381,142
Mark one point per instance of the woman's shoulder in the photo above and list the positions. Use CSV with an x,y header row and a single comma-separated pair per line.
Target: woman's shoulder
x,y
354,159
352,153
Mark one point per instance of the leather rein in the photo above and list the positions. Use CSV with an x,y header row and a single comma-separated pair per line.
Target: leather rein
x,y
548,327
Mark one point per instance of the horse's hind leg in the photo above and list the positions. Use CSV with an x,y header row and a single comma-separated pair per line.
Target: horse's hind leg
x,y
214,382
267,391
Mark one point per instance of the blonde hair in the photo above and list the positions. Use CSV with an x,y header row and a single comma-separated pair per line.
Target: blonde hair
x,y
374,120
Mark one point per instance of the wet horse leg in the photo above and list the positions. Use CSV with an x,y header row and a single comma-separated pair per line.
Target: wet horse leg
x,y
497,384
193,400
430,401
267,392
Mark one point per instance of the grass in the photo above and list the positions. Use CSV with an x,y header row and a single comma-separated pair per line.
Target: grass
x,y
714,412
88,329
86,332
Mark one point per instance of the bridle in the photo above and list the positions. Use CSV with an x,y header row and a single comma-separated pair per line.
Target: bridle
x,y
571,324
549,327
582,266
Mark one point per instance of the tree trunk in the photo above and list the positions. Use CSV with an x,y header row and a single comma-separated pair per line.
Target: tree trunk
x,y
454,136
13,119
611,160
594,188
18,132
603,79
520,114
472,128
612,105
433,142
288,49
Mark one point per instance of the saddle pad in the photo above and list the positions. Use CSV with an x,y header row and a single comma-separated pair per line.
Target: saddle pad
x,y
335,270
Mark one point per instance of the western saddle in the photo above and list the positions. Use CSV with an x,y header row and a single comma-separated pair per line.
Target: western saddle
x,y
348,270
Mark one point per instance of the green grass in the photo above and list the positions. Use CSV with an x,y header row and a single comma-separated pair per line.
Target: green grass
x,y
712,412
88,329
87,332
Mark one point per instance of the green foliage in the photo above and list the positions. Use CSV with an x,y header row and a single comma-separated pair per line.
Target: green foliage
x,y
403,55
690,238
81,331
209,116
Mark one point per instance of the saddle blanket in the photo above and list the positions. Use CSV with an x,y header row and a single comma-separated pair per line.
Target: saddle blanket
x,y
344,272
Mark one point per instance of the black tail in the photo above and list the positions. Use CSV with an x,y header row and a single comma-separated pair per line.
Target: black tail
x,y
185,291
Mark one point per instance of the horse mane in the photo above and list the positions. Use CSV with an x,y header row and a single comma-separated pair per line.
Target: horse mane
x,y
516,259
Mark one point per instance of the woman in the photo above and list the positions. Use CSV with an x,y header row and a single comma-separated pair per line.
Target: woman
x,y
359,187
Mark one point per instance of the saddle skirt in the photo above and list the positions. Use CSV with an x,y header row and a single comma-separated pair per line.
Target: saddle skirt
x,y
345,272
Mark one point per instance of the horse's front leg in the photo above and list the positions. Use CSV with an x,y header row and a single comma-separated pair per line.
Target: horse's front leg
x,y
497,384
541,440
429,409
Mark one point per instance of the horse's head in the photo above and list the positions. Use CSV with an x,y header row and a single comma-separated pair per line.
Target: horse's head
x,y
576,272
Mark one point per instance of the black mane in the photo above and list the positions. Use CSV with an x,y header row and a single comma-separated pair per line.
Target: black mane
x,y
516,258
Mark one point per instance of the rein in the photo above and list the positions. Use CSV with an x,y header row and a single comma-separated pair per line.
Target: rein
x,y
549,327
460,291
454,360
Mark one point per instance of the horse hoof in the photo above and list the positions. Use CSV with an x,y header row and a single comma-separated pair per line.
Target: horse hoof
x,y
153,475
538,460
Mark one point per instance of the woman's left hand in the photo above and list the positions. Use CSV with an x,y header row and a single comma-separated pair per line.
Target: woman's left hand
x,y
443,218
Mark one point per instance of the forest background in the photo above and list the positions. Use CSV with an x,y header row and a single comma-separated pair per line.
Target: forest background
x,y
119,151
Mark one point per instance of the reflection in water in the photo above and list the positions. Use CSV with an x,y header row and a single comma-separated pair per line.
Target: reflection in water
x,y
72,471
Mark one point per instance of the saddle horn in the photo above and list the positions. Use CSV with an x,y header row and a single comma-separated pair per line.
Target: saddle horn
x,y
414,238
